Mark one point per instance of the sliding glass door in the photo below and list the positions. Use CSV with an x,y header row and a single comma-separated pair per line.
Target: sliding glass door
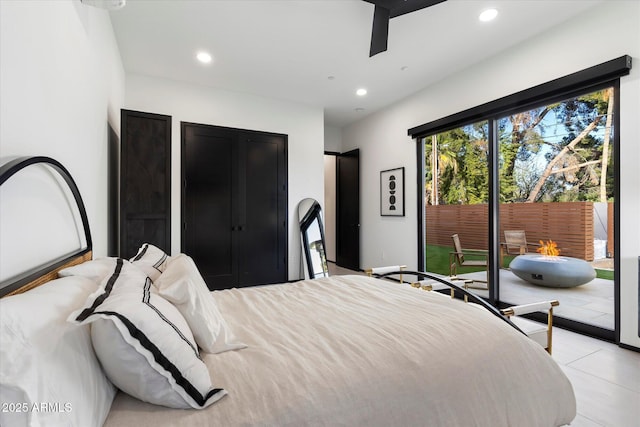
x,y
553,188
557,190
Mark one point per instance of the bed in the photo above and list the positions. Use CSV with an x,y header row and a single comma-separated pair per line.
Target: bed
x,y
344,350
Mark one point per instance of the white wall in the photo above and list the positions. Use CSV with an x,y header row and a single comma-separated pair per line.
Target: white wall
x,y
62,83
332,144
606,32
332,139
199,104
329,208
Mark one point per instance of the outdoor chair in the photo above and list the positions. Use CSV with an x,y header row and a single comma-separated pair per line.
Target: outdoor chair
x,y
515,242
467,258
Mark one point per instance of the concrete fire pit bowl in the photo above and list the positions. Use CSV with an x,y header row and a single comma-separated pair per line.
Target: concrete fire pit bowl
x,y
552,271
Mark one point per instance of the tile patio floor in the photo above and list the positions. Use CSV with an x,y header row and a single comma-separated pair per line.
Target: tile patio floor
x,y
591,303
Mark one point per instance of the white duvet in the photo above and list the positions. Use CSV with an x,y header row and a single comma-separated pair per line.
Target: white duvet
x,y
357,351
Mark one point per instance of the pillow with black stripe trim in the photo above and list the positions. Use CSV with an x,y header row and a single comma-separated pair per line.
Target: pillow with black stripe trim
x,y
95,269
152,260
144,344
182,285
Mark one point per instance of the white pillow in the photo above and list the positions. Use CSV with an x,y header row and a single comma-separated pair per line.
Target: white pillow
x,y
155,359
182,284
48,369
151,260
95,269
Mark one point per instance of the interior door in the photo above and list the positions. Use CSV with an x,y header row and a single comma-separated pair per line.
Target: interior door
x,y
262,209
145,184
208,205
348,210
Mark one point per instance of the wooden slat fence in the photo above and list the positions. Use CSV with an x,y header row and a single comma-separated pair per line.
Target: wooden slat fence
x,y
569,224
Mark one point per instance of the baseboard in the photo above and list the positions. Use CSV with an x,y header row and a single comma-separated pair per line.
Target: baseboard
x,y
629,347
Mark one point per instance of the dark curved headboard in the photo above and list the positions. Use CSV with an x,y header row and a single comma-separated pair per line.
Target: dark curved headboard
x,y
47,271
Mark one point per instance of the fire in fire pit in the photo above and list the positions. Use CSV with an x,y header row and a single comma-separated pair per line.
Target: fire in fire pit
x,y
549,249
550,269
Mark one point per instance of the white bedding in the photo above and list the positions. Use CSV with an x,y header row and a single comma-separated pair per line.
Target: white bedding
x,y
352,351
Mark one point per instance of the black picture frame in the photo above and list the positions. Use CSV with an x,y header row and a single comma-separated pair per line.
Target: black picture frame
x,y
392,192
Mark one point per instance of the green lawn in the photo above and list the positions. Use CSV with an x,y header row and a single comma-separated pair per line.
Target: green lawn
x,y
437,258
604,274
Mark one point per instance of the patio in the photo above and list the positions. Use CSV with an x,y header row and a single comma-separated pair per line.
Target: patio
x,y
591,303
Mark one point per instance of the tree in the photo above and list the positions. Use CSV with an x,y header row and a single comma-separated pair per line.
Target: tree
x,y
564,151
520,139
605,145
557,152
578,162
438,158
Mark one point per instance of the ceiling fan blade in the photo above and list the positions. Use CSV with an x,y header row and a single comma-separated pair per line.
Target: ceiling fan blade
x,y
400,7
387,9
403,7
380,30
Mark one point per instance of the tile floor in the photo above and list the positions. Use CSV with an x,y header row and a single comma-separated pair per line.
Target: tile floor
x,y
605,377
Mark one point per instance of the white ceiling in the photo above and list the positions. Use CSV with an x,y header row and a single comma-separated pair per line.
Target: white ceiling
x,y
288,49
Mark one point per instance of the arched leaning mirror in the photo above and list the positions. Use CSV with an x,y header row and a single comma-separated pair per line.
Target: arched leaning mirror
x,y
313,244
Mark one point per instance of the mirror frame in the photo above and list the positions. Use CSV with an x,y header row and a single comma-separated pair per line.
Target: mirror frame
x,y
313,214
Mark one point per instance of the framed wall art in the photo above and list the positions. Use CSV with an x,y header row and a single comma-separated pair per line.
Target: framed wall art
x,y
392,192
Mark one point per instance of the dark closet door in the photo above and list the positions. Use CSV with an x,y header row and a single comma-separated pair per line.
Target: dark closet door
x,y
348,210
208,205
263,209
145,182
235,205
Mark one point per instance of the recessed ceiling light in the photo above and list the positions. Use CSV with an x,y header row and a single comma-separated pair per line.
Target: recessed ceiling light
x,y
204,57
488,15
358,110
106,4
361,92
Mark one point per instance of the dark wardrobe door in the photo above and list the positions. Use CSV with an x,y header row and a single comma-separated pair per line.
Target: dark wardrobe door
x,y
208,208
263,210
145,190
235,205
